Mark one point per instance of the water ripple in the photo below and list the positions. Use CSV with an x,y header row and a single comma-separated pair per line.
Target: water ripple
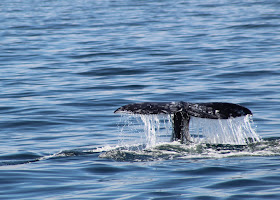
x,y
67,65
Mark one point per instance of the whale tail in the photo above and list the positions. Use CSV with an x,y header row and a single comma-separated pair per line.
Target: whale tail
x,y
182,112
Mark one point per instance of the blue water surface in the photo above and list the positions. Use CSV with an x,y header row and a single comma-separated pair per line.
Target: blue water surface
x,y
65,66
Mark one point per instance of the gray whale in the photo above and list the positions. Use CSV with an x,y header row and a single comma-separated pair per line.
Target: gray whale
x,y
182,112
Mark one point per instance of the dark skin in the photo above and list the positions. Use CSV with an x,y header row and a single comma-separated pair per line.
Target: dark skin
x,y
180,127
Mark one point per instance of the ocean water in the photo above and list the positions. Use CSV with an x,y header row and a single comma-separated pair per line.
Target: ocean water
x,y
65,66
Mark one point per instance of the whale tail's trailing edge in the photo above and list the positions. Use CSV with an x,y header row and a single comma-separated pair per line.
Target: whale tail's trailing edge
x,y
182,111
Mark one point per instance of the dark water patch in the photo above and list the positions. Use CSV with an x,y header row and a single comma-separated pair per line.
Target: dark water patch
x,y
205,197
249,74
159,53
17,162
19,158
254,197
239,183
273,140
6,109
20,95
253,26
98,54
105,169
112,87
28,124
45,190
81,104
47,138
44,112
29,157
213,171
93,105
211,4
171,62
275,178
113,72
157,195
173,182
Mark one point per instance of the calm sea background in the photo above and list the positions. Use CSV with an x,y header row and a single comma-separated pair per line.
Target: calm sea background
x,y
65,66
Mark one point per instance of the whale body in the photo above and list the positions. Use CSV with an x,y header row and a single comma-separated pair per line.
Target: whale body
x,y
181,113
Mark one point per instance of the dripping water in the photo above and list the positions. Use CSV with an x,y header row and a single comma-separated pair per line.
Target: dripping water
x,y
235,131
147,138
147,130
150,130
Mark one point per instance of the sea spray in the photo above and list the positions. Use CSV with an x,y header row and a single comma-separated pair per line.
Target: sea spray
x,y
150,130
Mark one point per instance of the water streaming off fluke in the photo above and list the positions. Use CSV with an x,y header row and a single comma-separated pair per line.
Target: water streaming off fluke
x,y
154,129
147,130
235,131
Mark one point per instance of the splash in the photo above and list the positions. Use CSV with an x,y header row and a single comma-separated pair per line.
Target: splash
x,y
155,129
147,138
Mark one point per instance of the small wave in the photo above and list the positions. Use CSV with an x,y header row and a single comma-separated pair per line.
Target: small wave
x,y
175,150
18,158
158,152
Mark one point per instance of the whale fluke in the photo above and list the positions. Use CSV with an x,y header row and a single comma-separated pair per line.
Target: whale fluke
x,y
182,112
215,110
